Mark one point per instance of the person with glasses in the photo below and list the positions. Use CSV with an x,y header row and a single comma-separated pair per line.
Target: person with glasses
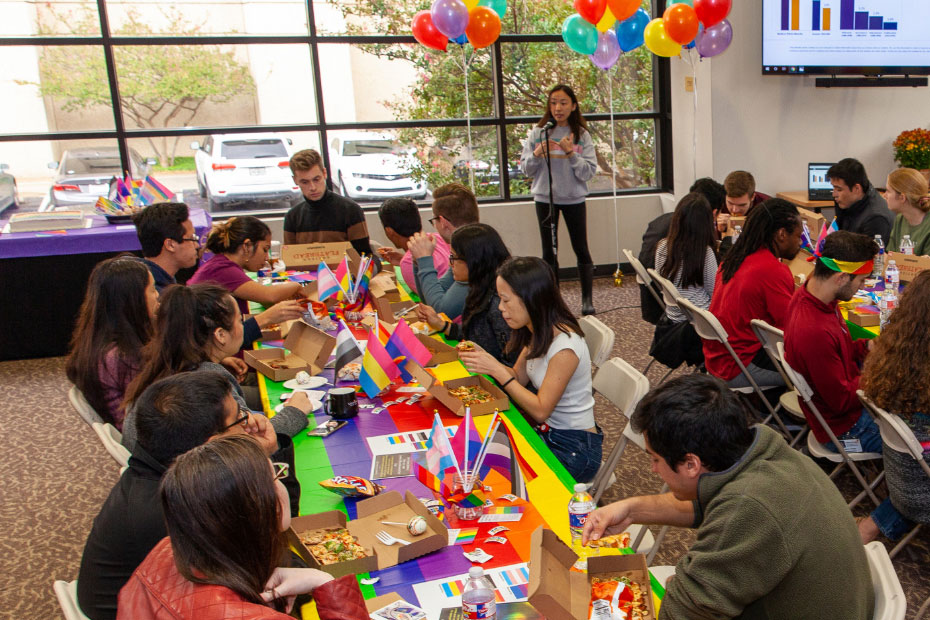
x,y
400,219
210,568
172,416
477,253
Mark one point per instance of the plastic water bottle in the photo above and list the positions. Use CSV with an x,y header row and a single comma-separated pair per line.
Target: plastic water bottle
x,y
478,602
879,267
892,278
888,303
907,246
737,231
579,507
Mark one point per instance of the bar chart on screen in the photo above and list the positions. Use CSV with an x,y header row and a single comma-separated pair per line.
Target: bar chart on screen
x,y
841,16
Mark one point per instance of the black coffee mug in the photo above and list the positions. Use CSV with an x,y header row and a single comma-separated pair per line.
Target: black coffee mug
x,y
341,403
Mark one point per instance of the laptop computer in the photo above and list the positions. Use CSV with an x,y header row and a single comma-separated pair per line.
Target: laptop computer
x,y
818,185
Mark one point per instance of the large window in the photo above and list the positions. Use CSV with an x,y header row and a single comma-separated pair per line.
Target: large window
x,y
212,98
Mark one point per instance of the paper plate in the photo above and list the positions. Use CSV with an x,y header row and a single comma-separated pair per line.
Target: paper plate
x,y
317,405
315,382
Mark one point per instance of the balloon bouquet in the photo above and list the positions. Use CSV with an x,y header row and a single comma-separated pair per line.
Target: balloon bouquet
x,y
470,21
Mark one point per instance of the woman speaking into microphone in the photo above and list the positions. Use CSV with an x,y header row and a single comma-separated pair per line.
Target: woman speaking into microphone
x,y
567,158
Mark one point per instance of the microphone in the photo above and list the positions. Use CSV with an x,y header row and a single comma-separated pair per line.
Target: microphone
x,y
549,124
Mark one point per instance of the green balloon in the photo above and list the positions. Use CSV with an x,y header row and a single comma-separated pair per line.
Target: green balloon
x,y
579,35
688,2
498,6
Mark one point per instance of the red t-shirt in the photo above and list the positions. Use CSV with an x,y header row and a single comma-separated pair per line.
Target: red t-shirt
x,y
818,346
760,289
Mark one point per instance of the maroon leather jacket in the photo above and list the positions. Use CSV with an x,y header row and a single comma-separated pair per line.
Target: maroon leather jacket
x,y
157,591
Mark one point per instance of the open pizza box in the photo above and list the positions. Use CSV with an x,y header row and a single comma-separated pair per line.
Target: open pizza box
x,y
441,352
374,604
305,348
559,593
327,520
308,256
814,221
909,265
277,331
440,391
735,220
386,299
800,268
864,315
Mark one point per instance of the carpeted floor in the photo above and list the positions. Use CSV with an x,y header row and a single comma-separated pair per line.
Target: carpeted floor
x,y
58,473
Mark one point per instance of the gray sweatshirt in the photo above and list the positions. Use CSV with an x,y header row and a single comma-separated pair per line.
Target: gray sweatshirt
x,y
570,174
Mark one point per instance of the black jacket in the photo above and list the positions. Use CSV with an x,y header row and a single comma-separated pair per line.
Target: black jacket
x,y
870,216
489,330
656,231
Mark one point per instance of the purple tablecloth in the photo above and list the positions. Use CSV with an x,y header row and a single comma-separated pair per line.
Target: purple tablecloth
x,y
100,237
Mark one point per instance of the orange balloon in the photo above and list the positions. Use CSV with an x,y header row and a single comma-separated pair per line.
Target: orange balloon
x,y
681,23
484,26
623,9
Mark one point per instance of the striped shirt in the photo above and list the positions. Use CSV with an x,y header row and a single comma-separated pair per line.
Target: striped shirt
x,y
698,295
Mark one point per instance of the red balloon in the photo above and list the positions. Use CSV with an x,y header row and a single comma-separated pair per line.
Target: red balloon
x,y
711,12
623,9
591,10
484,26
681,23
425,32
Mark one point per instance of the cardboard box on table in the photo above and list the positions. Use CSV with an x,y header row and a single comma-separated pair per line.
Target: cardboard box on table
x,y
735,220
559,593
386,299
800,268
278,331
390,506
308,256
909,265
864,315
440,391
442,353
814,222
308,350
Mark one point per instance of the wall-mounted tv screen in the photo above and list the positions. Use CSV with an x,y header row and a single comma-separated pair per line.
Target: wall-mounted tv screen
x,y
846,37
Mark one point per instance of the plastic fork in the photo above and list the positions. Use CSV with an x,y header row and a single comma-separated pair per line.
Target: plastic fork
x,y
387,539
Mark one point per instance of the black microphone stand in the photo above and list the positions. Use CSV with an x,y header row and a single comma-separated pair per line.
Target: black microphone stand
x,y
552,221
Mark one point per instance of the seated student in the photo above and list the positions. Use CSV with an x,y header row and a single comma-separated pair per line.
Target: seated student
x,y
896,377
478,252
212,569
686,258
453,206
172,416
752,284
818,345
769,522
907,197
859,206
400,218
196,327
553,357
742,196
113,325
170,244
323,216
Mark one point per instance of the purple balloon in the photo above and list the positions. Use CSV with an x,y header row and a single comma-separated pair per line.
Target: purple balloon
x,y
450,17
607,52
714,40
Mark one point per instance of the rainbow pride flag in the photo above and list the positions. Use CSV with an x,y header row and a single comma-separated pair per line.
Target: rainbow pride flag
x,y
152,191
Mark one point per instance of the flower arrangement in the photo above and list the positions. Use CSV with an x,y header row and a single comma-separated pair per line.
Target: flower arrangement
x,y
912,149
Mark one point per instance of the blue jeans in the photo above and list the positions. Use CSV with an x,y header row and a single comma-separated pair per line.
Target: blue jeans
x,y
892,523
866,431
578,451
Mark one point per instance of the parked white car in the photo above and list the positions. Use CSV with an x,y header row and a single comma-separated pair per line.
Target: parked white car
x,y
245,168
369,166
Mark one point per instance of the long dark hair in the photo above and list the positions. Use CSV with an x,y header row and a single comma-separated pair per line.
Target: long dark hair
x,y
534,283
223,516
575,119
483,251
762,223
689,235
226,237
184,325
114,314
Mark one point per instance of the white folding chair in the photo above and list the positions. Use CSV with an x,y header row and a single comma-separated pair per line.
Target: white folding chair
x,y
599,338
897,436
708,327
80,404
770,336
66,593
817,450
890,603
112,441
642,276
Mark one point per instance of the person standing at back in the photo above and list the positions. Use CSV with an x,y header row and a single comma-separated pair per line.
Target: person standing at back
x,y
859,206
908,198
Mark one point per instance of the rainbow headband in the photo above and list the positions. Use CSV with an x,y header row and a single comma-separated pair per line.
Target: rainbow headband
x,y
845,266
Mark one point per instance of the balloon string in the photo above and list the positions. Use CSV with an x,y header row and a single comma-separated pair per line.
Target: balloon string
x,y
613,173
694,122
471,170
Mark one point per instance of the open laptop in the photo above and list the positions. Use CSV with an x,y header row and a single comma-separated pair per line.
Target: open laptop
x,y
818,185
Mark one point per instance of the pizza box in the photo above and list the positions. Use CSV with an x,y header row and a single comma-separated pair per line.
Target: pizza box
x,y
441,352
308,256
305,348
864,316
909,265
277,331
386,298
392,506
440,391
559,593
374,604
735,220
814,221
323,520
800,268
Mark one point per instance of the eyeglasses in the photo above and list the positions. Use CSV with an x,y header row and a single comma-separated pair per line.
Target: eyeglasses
x,y
243,419
280,470
195,240
453,258
433,220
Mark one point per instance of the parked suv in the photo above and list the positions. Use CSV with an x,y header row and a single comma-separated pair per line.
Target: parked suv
x,y
369,166
245,168
83,175
9,195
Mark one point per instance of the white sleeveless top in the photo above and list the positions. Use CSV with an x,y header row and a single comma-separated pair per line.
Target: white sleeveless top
x,y
575,410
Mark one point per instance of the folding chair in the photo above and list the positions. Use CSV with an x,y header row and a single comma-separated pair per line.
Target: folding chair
x,y
111,440
817,450
898,437
890,603
642,276
709,328
599,338
80,404
770,336
66,593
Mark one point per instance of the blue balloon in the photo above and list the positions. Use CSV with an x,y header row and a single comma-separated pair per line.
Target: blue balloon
x,y
630,30
462,39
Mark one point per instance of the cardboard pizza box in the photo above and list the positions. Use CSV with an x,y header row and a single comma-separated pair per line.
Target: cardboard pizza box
x,y
440,391
305,348
800,268
735,220
441,352
391,506
864,316
321,521
909,265
308,256
814,221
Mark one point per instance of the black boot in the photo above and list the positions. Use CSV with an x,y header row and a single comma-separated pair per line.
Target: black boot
x,y
586,273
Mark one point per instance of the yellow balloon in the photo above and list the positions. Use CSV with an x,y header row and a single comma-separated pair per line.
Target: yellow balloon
x,y
470,4
606,22
657,40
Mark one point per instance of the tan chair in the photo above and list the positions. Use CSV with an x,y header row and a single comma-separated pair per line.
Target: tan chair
x,y
599,338
770,336
642,276
890,602
817,450
80,404
66,593
112,441
897,436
